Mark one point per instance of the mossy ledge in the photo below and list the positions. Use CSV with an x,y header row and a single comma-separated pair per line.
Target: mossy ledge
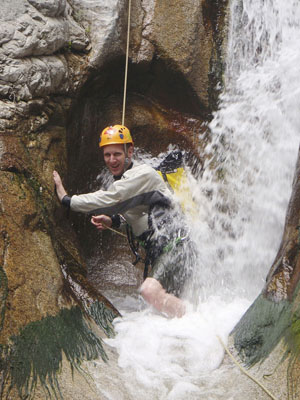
x,y
35,355
263,326
260,329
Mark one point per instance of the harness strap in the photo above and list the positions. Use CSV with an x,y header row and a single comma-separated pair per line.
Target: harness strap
x,y
134,246
146,268
145,242
173,243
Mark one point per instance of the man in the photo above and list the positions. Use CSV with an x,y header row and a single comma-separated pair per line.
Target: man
x,y
141,196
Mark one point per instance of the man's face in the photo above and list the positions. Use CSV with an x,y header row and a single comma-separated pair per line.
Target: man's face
x,y
114,157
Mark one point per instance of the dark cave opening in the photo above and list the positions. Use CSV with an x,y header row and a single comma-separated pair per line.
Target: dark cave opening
x,y
161,109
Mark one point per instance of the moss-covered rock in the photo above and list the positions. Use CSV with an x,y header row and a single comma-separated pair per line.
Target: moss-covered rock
x,y
46,301
274,316
35,355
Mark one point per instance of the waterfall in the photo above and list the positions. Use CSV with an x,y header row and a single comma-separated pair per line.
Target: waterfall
x,y
242,199
255,139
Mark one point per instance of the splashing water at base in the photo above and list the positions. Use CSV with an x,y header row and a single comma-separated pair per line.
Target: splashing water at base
x,y
242,199
161,358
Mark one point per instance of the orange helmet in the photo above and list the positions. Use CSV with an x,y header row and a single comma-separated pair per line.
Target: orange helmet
x,y
117,134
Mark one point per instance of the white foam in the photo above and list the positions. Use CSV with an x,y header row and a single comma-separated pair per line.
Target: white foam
x,y
168,356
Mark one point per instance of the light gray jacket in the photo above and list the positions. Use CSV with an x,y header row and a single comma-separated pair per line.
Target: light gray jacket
x,y
140,188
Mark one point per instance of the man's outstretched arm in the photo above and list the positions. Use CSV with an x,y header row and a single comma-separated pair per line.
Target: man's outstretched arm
x,y
60,190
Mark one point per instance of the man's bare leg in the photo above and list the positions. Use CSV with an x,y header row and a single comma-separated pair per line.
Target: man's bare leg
x,y
153,292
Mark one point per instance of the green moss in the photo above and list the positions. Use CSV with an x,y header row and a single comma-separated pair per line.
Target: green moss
x,y
28,179
3,295
103,317
295,332
298,242
3,280
35,354
292,339
19,180
261,328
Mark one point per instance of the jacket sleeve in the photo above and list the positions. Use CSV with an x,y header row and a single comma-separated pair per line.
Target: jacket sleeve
x,y
139,186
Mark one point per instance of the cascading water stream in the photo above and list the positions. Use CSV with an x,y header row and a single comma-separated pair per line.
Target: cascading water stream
x,y
242,199
255,139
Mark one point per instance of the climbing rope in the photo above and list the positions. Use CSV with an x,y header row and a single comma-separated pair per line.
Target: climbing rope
x,y
126,63
124,95
244,371
114,230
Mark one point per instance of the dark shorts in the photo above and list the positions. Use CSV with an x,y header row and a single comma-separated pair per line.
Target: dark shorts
x,y
174,268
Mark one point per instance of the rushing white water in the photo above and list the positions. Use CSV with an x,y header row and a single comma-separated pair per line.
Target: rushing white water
x,y
241,210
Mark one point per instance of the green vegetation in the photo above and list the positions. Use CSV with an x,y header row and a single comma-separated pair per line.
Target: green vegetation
x,y
292,338
3,295
263,326
260,329
103,317
35,355
3,282
298,242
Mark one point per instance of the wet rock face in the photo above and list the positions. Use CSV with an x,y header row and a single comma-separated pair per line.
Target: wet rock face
x,y
31,35
50,8
32,274
284,274
183,41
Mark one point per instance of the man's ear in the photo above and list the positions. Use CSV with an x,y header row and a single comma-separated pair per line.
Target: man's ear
x,y
130,151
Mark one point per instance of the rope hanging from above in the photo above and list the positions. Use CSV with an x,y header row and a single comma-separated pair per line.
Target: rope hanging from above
x,y
126,62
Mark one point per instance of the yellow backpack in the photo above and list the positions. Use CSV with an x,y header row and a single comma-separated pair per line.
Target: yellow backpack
x,y
172,171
